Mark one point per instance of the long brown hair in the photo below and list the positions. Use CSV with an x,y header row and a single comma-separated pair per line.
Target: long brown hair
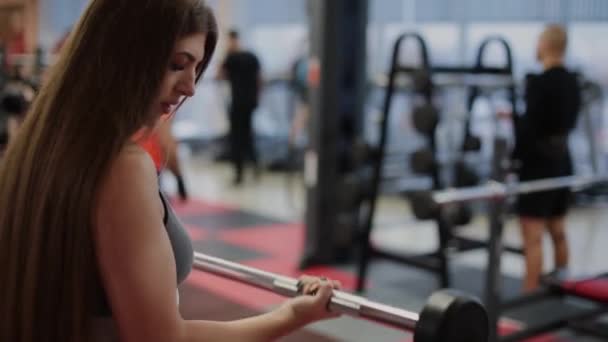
x,y
96,97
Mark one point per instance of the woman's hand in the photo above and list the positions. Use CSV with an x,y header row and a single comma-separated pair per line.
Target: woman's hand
x,y
313,304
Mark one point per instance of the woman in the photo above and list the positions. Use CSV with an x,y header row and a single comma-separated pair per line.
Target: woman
x,y
89,250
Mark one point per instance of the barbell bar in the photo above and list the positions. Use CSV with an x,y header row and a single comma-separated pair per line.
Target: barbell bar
x,y
498,190
448,315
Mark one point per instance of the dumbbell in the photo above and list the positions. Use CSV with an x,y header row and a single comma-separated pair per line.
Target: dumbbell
x,y
461,214
464,176
423,161
425,208
363,153
422,204
471,143
447,316
425,118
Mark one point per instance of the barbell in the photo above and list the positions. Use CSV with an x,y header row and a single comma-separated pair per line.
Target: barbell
x,y
422,161
424,208
425,118
428,203
448,202
498,190
448,315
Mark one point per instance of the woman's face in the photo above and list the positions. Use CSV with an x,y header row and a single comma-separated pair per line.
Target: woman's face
x,y
185,64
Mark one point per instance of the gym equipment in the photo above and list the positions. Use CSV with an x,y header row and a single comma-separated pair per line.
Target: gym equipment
x,y
582,321
592,95
497,194
353,188
464,176
471,143
425,118
448,315
423,161
426,204
362,152
423,80
423,206
497,191
338,87
460,215
590,290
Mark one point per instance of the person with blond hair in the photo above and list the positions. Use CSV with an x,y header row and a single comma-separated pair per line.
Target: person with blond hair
x,y
552,104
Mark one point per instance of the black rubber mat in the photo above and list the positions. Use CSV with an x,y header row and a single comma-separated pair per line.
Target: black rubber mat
x,y
227,251
229,220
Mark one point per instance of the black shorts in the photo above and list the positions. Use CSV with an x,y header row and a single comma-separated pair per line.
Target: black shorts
x,y
546,204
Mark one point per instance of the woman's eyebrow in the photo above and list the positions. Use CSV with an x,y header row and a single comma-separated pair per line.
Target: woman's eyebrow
x,y
188,55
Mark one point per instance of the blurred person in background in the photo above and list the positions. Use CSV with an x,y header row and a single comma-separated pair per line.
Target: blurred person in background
x,y
299,77
241,68
163,149
553,101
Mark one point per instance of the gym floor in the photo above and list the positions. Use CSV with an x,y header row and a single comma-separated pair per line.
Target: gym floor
x,y
260,224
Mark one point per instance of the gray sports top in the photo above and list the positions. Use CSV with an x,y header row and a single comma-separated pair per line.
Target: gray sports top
x,y
182,250
180,242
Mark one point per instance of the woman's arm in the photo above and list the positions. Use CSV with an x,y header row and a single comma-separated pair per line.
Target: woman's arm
x,y
138,268
294,314
266,327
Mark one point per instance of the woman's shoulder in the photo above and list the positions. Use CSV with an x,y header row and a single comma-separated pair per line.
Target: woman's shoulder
x,y
133,159
131,169
129,187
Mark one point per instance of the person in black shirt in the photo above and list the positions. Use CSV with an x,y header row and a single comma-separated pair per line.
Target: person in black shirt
x,y
18,93
13,106
552,105
242,70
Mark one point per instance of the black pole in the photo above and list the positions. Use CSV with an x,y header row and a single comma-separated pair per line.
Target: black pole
x,y
338,46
